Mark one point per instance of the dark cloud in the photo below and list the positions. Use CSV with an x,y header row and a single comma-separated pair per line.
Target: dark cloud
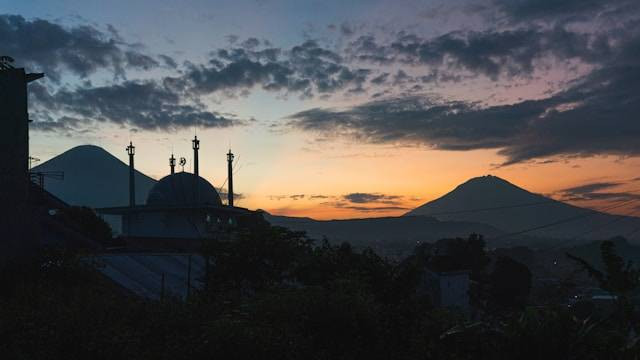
x,y
316,197
45,46
589,188
305,69
559,9
359,205
365,198
374,208
224,193
277,197
594,191
595,115
168,61
491,53
146,105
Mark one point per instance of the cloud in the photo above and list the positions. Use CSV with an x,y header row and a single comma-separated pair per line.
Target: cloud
x,y
305,69
367,202
358,205
364,198
594,115
277,197
46,46
224,193
526,10
374,208
145,105
492,53
320,197
593,191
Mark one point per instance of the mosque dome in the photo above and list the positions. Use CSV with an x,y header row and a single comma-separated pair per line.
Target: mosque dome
x,y
179,189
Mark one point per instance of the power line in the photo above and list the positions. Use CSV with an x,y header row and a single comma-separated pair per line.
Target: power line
x,y
491,208
615,220
590,212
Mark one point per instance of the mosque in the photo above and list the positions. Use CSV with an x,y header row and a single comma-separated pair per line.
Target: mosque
x,y
181,209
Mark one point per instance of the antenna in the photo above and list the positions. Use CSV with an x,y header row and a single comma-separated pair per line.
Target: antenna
x,y
196,146
32,160
6,63
172,164
230,178
131,151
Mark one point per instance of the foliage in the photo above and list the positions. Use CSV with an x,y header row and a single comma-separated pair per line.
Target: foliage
x,y
509,284
85,221
619,279
275,295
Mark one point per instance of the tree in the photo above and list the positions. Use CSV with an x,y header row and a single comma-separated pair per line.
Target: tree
x,y
459,254
509,284
85,221
618,278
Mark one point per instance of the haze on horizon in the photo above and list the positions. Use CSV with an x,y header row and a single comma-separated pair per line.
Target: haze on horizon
x,y
343,110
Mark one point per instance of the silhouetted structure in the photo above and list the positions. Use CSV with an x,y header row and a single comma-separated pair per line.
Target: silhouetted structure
x,y
181,210
196,146
15,134
230,178
27,220
172,164
131,151
449,289
15,214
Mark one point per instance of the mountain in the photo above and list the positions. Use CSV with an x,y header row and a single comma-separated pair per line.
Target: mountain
x,y
389,236
93,177
501,204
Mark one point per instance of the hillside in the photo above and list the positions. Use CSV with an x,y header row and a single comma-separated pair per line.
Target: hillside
x,y
93,177
391,236
501,204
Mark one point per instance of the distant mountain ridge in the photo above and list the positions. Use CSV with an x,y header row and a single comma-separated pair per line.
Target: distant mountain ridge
x,y
390,236
93,177
486,205
499,203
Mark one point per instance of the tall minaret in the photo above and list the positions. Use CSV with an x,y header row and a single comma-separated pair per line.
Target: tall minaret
x,y
196,146
230,178
172,164
131,150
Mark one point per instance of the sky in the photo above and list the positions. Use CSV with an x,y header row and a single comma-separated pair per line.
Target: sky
x,y
344,109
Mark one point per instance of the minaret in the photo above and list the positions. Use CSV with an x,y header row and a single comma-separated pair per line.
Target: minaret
x,y
172,164
196,146
131,150
230,178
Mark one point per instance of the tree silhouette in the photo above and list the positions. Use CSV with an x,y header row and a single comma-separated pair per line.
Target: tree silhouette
x,y
618,278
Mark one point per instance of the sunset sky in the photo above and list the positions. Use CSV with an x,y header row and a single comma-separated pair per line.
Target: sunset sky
x,y
342,109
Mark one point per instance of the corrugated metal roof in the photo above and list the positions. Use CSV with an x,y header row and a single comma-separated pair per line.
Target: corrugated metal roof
x,y
142,273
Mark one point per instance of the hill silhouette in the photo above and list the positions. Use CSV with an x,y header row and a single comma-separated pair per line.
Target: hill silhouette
x,y
94,178
499,203
389,236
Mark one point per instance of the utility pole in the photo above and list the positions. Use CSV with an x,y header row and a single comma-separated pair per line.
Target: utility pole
x,y
172,164
131,150
230,178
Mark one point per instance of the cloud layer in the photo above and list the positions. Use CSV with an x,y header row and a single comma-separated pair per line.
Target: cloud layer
x,y
46,46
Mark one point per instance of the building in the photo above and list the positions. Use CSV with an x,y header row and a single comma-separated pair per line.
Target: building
x,y
449,289
181,210
16,219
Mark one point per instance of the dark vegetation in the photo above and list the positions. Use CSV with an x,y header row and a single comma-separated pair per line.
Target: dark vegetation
x,y
273,294
85,221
